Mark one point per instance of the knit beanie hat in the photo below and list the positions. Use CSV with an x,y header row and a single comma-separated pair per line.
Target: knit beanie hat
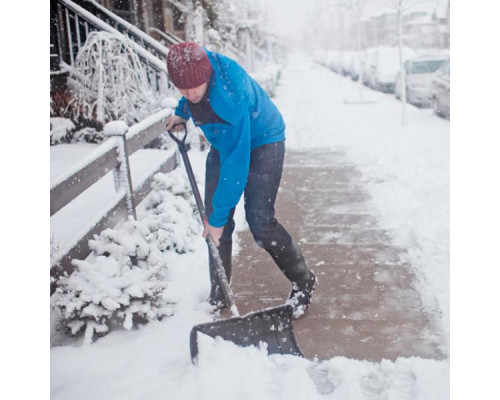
x,y
188,65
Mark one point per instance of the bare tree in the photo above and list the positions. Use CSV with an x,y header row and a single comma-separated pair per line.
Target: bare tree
x,y
401,7
356,8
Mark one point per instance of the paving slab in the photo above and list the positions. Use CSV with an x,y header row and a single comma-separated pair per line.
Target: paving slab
x,y
367,305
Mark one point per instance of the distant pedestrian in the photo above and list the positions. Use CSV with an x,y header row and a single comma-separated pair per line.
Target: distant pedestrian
x,y
247,133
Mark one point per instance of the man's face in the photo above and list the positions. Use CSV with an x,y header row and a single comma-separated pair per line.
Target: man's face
x,y
194,95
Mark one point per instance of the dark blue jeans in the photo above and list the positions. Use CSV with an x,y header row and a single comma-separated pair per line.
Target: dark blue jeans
x,y
266,166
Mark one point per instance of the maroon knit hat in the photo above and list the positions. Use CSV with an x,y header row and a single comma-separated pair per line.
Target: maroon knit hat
x,y
188,65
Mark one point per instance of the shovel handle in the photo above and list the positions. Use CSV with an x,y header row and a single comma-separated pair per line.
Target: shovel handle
x,y
175,138
189,170
212,247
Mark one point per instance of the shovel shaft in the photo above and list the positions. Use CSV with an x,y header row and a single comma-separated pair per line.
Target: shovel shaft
x,y
212,247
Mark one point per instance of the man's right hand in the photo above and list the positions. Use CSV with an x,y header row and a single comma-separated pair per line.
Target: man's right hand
x,y
174,120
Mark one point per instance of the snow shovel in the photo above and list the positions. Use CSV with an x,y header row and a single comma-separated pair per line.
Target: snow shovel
x,y
272,326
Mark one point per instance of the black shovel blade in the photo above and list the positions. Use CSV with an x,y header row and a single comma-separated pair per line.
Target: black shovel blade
x,y
272,326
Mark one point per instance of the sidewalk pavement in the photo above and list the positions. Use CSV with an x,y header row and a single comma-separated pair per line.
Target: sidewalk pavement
x,y
367,305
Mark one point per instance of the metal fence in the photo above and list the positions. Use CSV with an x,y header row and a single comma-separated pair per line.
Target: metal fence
x,y
72,21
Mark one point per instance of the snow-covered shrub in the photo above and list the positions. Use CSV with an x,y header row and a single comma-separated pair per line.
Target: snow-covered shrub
x,y
107,289
60,130
64,130
171,206
124,281
109,82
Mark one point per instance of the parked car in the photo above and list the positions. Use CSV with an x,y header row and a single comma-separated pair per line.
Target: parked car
x,y
329,59
441,91
419,73
366,55
345,62
383,66
333,60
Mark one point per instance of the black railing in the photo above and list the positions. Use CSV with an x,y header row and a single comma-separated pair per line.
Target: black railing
x,y
73,20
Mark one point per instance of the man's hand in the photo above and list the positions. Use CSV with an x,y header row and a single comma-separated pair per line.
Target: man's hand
x,y
215,233
174,120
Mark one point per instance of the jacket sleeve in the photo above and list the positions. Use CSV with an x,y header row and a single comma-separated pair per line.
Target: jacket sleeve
x,y
233,175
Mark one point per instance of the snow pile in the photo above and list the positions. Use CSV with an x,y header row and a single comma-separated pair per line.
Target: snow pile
x,y
115,128
125,278
263,376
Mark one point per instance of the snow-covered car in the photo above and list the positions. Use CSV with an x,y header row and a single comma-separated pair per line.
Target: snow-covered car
x,y
383,66
419,74
441,90
364,67
345,63
331,59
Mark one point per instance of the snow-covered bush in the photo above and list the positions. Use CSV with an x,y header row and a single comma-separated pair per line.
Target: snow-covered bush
x,y
109,82
60,130
124,281
64,130
107,289
170,223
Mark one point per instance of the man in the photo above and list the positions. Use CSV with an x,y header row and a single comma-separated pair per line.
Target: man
x,y
246,132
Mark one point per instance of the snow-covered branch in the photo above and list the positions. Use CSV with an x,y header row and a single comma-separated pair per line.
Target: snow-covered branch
x,y
108,80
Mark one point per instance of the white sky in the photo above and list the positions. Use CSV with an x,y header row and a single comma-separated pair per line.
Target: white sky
x,y
289,17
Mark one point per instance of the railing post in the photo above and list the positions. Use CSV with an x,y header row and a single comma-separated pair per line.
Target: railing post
x,y
70,39
122,173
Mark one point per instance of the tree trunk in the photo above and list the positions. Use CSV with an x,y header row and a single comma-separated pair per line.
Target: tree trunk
x,y
358,55
401,65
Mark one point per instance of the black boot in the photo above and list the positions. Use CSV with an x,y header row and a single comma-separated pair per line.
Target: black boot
x,y
292,263
216,297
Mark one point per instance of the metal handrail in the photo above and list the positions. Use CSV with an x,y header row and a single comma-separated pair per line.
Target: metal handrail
x,y
167,36
80,17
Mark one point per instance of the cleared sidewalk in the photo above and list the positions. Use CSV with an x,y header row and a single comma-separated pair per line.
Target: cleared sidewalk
x,y
367,305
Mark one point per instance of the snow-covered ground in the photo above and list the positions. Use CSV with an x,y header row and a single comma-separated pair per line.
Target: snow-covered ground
x,y
406,170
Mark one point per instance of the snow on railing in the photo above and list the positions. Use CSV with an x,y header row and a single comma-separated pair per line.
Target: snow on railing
x,y
150,50
95,166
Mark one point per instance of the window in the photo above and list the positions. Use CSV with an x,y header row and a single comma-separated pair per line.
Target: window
x,y
426,67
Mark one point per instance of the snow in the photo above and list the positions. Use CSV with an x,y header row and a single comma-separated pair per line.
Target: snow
x,y
406,168
159,64
115,128
406,171
68,224
63,174
60,126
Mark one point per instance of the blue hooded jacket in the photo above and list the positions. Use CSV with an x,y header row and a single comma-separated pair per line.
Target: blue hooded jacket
x,y
252,121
